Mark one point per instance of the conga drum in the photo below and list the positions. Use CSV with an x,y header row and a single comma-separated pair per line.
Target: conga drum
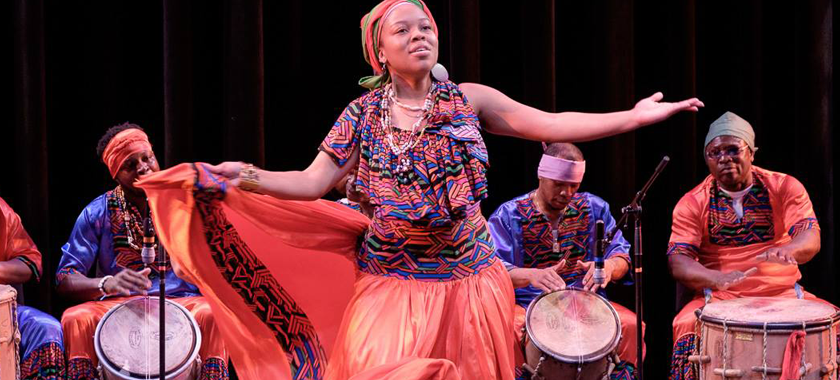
x,y
571,334
9,334
746,338
127,341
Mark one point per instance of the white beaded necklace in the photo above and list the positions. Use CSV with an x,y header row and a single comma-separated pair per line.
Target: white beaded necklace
x,y
399,148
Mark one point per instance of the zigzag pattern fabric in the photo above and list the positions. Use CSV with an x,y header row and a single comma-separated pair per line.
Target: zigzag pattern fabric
x,y
573,236
448,165
44,363
756,226
427,224
255,284
802,225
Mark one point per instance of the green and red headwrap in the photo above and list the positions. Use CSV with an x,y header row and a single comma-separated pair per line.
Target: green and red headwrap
x,y
371,32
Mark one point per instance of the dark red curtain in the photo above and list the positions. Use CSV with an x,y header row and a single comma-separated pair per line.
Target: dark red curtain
x,y
263,81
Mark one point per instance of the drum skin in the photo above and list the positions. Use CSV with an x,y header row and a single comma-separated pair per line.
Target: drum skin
x,y
738,331
127,341
574,332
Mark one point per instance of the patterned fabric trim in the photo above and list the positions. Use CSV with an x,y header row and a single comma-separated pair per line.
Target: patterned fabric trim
x,y
44,363
681,368
31,265
623,371
395,249
64,272
214,369
756,226
573,236
689,250
81,369
250,278
802,225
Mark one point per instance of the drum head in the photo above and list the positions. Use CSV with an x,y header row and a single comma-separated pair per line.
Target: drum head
x,y
776,312
128,338
573,325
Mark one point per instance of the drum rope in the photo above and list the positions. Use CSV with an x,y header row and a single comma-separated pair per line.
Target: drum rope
x,y
804,348
537,370
725,346
764,354
702,338
698,329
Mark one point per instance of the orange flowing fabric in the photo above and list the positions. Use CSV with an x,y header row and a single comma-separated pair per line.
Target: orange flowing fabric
x,y
277,299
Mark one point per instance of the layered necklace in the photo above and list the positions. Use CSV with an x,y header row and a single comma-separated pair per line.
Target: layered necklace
x,y
133,227
399,148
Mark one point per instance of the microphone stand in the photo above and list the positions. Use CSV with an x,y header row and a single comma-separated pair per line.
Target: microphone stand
x,y
162,310
635,209
148,257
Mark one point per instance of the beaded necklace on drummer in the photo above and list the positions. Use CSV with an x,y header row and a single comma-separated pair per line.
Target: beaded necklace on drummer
x,y
131,224
404,164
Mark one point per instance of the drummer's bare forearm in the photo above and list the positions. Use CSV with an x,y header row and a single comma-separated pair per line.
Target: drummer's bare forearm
x,y
620,267
805,245
519,277
80,287
14,271
691,273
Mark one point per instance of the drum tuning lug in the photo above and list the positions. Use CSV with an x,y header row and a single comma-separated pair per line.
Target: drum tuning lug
x,y
827,369
770,370
729,372
700,359
804,369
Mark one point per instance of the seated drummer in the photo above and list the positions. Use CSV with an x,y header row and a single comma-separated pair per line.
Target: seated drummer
x,y
108,237
546,238
742,232
41,350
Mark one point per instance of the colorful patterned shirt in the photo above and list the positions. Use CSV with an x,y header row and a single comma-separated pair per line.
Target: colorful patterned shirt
x,y
524,238
100,238
427,223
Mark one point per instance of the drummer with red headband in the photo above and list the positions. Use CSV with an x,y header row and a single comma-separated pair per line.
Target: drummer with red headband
x,y
742,232
106,243
546,239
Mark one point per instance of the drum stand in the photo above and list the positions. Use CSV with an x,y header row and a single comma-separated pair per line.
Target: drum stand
x,y
635,209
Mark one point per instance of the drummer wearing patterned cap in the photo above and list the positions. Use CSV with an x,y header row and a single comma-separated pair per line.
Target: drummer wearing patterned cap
x,y
742,232
546,239
106,243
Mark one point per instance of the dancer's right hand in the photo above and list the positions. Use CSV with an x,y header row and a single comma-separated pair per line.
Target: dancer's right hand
x,y
229,170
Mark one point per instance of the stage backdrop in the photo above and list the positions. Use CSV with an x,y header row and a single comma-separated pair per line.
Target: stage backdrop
x,y
262,81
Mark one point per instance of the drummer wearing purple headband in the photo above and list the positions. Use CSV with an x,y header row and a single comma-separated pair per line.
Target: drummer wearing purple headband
x,y
545,238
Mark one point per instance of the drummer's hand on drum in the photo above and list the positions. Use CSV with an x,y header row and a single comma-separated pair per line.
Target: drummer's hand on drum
x,y
547,279
588,280
725,280
779,255
229,170
127,281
